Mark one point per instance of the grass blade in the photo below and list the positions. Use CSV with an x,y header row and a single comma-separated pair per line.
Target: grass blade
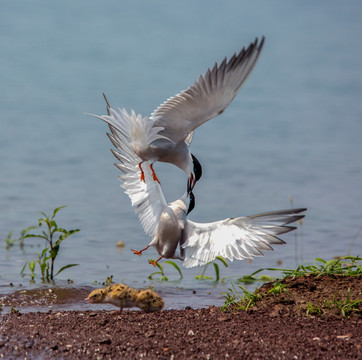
x,y
175,266
65,267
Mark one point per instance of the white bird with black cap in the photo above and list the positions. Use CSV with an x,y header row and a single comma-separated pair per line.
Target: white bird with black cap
x,y
167,134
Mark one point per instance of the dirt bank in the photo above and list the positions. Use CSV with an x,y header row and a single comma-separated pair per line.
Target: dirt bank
x,y
264,332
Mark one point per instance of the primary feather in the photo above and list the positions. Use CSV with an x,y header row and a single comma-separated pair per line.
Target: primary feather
x,y
236,238
167,134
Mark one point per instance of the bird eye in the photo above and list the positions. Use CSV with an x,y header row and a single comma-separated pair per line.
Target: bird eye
x,y
95,295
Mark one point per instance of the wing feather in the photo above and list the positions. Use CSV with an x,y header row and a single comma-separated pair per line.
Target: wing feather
x,y
236,238
146,196
208,96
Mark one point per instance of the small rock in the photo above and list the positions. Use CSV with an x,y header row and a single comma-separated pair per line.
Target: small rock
x,y
107,341
150,333
191,333
223,319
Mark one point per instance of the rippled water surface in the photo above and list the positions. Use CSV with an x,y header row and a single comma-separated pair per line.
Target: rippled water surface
x,y
292,137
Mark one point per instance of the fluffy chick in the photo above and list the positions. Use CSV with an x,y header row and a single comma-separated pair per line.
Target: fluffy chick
x,y
124,296
149,301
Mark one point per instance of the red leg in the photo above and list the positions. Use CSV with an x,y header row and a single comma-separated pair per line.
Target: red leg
x,y
142,173
120,309
155,262
154,174
139,252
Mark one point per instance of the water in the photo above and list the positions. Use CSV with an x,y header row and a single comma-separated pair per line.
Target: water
x,y
293,132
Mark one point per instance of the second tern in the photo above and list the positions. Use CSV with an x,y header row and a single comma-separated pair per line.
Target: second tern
x,y
167,134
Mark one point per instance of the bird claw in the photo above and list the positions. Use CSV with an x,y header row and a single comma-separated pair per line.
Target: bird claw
x,y
137,252
154,262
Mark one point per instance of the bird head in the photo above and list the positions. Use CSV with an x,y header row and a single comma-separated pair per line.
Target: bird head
x,y
96,296
195,174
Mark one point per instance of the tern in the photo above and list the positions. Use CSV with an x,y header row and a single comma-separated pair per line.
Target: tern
x,y
176,237
167,134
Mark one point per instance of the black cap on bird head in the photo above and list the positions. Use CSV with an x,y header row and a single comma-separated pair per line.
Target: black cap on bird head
x,y
196,175
197,168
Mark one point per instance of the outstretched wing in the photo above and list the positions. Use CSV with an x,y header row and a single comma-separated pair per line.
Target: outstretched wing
x,y
146,196
236,238
208,96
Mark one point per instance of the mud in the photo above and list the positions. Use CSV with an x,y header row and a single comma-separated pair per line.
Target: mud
x,y
277,327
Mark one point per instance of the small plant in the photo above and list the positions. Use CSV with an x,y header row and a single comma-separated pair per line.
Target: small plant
x,y
11,242
312,309
161,271
251,279
241,301
278,288
14,311
216,268
53,236
109,281
346,307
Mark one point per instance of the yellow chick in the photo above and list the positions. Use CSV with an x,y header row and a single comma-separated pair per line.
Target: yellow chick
x,y
124,296
149,301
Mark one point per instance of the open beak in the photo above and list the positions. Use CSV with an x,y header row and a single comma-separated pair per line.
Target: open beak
x,y
88,300
191,183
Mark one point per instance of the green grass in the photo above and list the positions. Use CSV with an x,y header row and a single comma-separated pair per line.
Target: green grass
x,y
348,265
346,307
161,272
161,275
202,276
241,299
344,265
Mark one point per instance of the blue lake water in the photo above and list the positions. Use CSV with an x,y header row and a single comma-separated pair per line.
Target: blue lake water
x,y
292,137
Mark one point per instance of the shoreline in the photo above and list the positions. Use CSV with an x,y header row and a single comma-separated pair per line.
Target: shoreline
x,y
180,334
279,325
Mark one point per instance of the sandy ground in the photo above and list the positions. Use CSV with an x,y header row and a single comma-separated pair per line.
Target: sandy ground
x,y
276,328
